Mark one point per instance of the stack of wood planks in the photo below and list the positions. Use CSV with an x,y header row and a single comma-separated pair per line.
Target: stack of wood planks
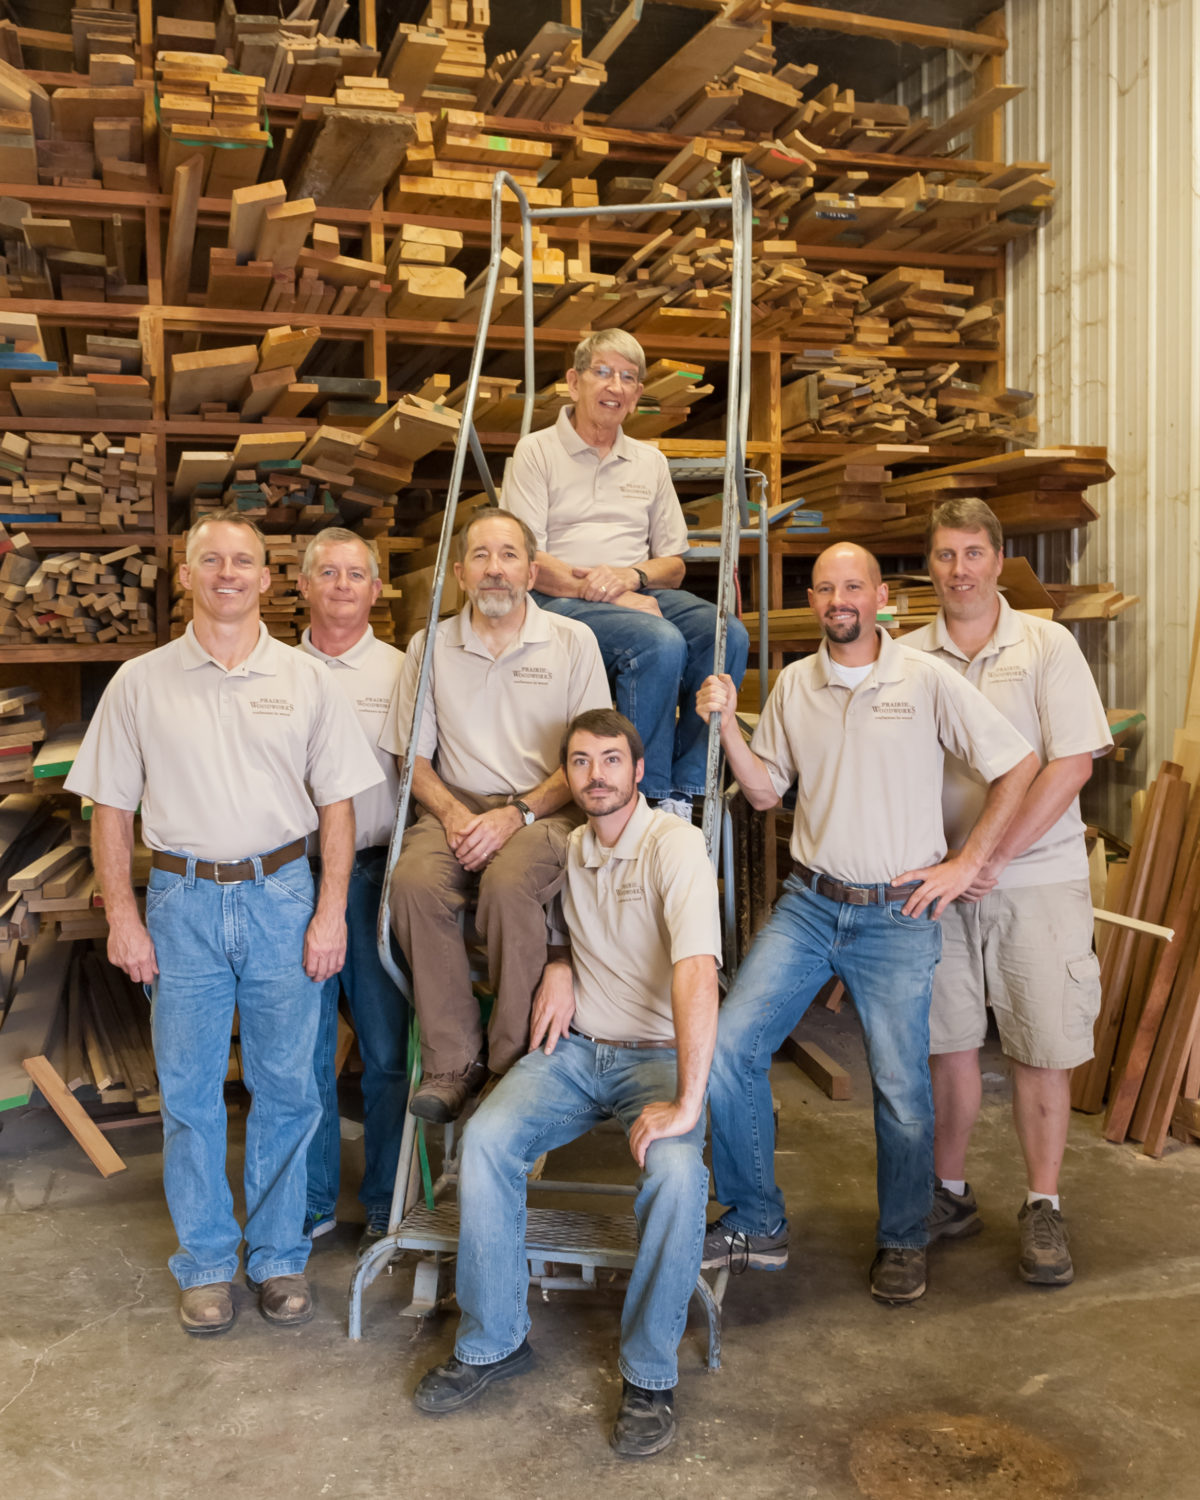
x,y
550,79
205,108
1147,1058
79,597
440,60
22,729
293,54
106,385
74,257
64,479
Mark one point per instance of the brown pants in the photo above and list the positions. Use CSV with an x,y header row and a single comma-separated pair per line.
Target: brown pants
x,y
429,891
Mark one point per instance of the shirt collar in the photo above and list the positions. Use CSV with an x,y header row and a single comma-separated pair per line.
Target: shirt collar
x,y
568,436
259,661
1008,632
627,846
355,657
534,628
887,664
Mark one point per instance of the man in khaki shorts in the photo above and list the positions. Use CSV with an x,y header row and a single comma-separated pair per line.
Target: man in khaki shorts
x,y
1019,938
506,679
623,1028
237,747
861,728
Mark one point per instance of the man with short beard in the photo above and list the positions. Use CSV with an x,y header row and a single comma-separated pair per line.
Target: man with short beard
x,y
862,728
506,679
622,1029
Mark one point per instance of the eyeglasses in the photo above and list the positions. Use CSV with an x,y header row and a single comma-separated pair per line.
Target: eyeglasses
x,y
628,378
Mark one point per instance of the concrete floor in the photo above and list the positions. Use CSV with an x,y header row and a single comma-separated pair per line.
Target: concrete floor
x,y
987,1388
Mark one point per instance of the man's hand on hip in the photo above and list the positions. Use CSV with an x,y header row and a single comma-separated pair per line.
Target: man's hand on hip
x,y
553,1007
940,884
325,945
484,835
655,1123
130,947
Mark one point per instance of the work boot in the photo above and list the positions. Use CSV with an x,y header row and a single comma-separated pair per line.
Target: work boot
x,y
285,1300
954,1216
744,1252
1045,1259
898,1275
645,1422
452,1386
208,1308
442,1097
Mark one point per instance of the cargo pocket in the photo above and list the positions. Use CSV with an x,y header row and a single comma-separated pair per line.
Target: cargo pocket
x,y
1082,999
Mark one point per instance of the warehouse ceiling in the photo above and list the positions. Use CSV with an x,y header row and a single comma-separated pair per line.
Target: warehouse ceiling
x,y
868,66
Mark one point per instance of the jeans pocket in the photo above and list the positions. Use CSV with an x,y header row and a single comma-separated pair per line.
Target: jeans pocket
x,y
161,885
295,882
925,922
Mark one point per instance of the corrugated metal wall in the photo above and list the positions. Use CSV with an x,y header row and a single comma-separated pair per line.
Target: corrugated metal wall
x,y
1104,323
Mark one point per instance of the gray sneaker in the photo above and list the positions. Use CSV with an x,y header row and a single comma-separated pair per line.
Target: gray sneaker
x,y
953,1216
898,1275
1045,1259
744,1252
442,1097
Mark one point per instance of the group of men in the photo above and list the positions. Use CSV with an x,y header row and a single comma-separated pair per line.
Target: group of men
x,y
936,812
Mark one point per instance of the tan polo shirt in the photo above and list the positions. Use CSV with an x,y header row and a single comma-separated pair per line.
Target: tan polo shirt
x,y
868,762
1033,671
367,676
494,727
619,510
223,761
632,912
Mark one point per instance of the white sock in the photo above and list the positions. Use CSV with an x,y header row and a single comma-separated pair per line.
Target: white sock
x,y
956,1187
1050,1198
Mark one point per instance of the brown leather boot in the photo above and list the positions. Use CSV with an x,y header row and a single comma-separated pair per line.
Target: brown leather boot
x,y
284,1299
208,1308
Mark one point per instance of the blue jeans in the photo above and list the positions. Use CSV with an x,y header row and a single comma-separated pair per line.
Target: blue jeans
x,y
380,1014
221,946
655,666
886,961
544,1102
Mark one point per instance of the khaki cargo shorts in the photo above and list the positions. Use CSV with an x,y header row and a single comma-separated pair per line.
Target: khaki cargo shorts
x,y
1026,952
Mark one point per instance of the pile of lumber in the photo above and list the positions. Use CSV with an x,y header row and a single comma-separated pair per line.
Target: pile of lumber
x,y
205,108
344,153
85,598
279,259
1147,1057
289,480
1074,602
858,398
72,257
65,479
440,59
294,55
56,885
284,612
450,163
848,491
550,79
22,729
105,387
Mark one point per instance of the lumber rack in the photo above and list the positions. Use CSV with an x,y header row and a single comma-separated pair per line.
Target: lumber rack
x,y
555,1237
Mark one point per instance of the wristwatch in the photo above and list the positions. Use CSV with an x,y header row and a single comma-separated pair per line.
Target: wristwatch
x,y
643,581
528,815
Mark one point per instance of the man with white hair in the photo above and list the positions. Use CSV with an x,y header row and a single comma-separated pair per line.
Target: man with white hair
x,y
236,747
339,578
611,538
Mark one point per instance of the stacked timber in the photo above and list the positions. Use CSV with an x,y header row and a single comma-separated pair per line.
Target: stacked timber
x,y
22,729
292,55
108,383
64,479
550,79
73,257
84,598
205,108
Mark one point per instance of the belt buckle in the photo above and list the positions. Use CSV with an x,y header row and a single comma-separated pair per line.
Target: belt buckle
x,y
217,863
859,896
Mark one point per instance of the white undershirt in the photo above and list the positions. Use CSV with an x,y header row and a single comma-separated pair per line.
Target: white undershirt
x,y
849,676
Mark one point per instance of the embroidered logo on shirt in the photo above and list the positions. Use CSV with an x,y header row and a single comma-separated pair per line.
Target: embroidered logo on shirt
x,y
535,676
1014,672
894,708
632,487
373,705
278,707
630,893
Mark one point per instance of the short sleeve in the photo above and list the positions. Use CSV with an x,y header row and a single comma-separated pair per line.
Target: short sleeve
x,y
589,681
969,727
340,761
109,767
687,890
771,741
526,489
1068,703
394,735
668,529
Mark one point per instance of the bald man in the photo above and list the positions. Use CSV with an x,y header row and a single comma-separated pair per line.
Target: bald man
x,y
861,728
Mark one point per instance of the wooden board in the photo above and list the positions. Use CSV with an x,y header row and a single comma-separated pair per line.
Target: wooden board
x,y
31,1016
830,1077
74,1116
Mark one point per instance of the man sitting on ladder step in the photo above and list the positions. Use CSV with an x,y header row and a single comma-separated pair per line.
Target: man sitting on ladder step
x,y
624,1028
506,679
611,538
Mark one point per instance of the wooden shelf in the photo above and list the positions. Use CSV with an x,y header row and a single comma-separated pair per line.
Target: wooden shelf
x,y
112,652
53,537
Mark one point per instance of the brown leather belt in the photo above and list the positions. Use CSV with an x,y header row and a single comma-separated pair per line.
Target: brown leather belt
x,y
605,1041
230,871
853,895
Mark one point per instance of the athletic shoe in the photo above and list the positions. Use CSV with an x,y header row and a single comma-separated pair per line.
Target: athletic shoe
x,y
678,807
317,1224
1045,1259
451,1386
898,1275
954,1216
645,1422
744,1252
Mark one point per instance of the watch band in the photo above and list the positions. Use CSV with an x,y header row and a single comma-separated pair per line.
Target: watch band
x,y
527,813
643,581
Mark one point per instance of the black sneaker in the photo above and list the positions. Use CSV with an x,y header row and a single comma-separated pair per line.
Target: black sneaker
x,y
744,1252
1045,1259
375,1229
954,1216
898,1275
451,1386
645,1422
